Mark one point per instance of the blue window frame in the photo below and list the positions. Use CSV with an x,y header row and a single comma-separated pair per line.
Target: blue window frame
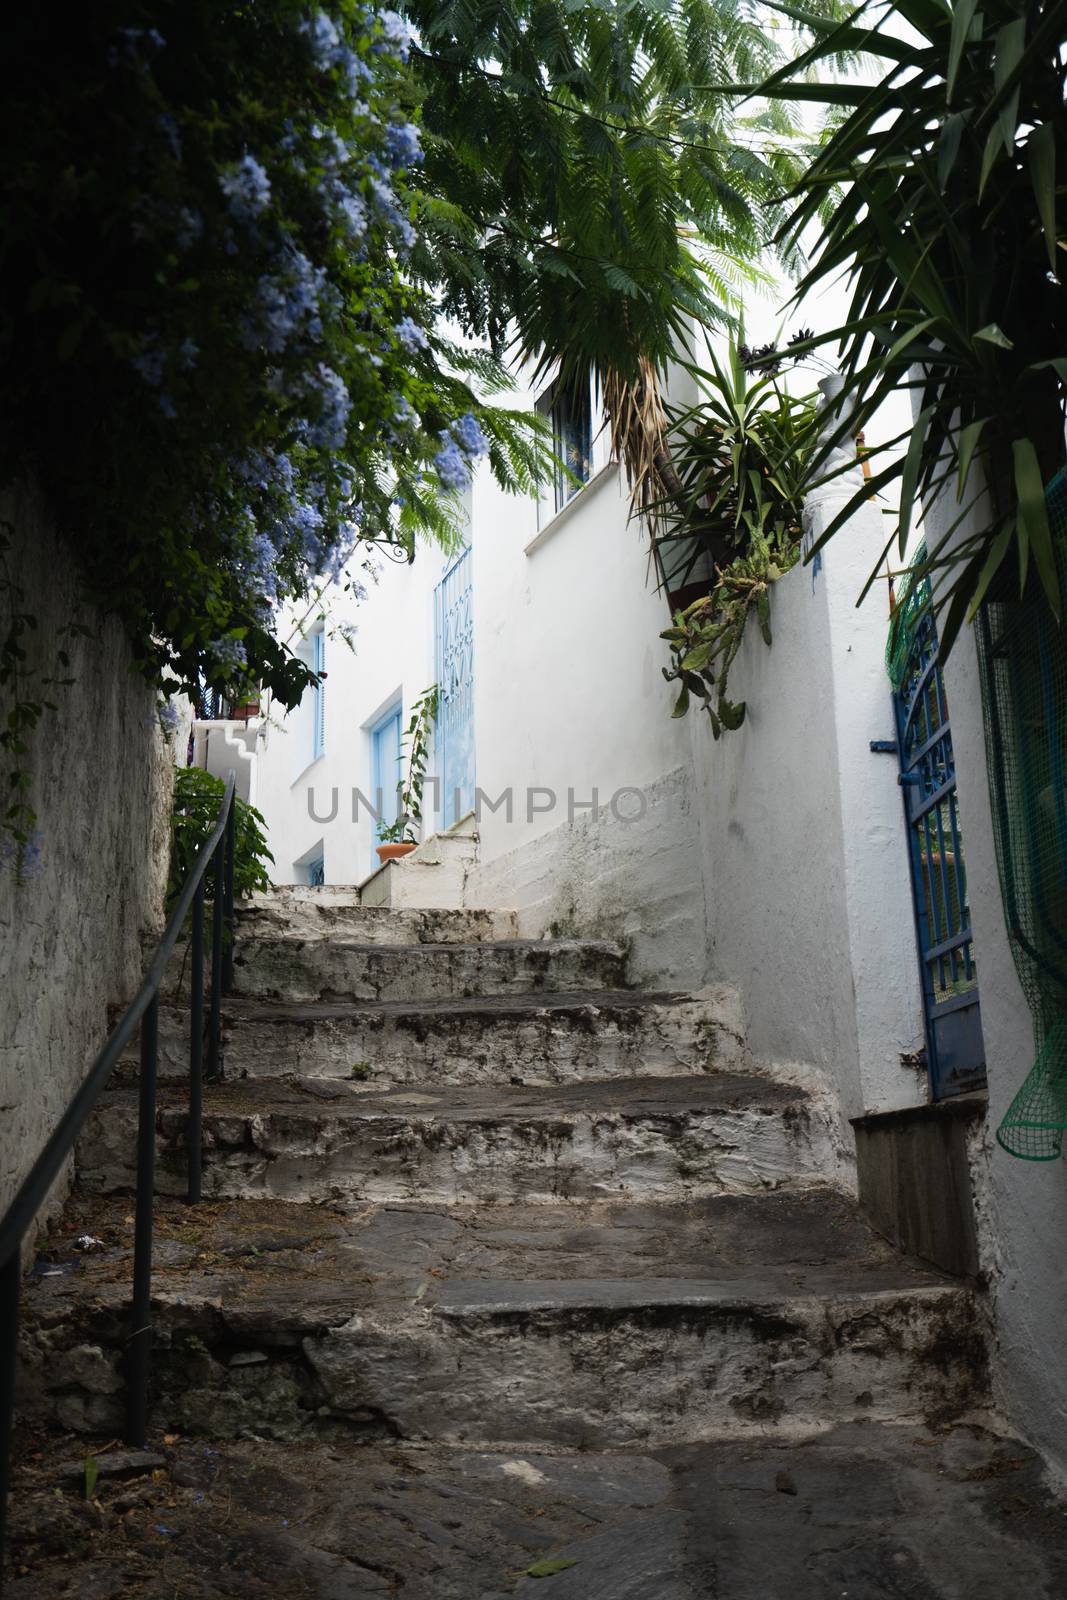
x,y
386,771
316,870
318,701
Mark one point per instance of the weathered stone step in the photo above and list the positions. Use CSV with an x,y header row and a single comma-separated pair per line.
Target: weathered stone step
x,y
312,1139
334,911
338,968
621,1323
867,1511
475,1040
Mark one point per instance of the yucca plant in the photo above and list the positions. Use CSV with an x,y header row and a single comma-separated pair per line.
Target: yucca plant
x,y
739,462
950,218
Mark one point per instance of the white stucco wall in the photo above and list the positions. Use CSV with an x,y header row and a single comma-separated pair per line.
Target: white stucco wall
x,y
391,658
625,875
1022,1205
71,933
569,699
804,848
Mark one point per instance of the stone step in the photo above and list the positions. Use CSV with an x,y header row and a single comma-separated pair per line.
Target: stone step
x,y
312,1139
338,968
475,1040
334,911
872,1511
624,1322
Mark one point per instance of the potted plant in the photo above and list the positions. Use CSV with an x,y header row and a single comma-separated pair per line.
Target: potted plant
x,y
398,838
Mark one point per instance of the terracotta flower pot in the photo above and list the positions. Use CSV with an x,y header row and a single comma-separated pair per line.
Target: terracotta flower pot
x,y
393,852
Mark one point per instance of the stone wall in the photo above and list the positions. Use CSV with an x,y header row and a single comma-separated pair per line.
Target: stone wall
x,y
72,929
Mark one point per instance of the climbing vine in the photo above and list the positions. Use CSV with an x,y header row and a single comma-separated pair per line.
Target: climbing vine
x,y
417,736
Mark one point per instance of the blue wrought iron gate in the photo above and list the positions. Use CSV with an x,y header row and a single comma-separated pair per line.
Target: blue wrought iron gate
x,y
454,655
954,1045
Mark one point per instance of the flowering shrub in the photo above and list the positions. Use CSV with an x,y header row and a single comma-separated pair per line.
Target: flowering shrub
x,y
216,368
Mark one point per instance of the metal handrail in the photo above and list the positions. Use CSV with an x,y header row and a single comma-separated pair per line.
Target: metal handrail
x,y
218,851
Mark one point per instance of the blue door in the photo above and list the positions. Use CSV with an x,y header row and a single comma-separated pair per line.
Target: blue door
x,y
954,1046
454,656
386,771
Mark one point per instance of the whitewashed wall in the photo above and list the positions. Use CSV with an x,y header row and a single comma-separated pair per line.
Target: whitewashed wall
x,y
71,933
391,656
804,846
569,699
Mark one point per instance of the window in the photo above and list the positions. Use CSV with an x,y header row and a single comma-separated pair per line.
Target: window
x,y
571,414
386,769
318,697
316,870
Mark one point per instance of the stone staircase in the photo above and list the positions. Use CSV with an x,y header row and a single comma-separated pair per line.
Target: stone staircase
x,y
475,1210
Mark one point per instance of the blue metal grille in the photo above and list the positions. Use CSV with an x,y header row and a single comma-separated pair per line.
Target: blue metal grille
x,y
454,651
955,1048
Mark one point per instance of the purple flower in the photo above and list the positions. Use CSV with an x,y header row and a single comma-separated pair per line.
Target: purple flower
x,y
352,210
150,362
229,654
452,466
247,189
469,436
328,430
261,567
411,336
307,523
325,41
289,304
402,143
396,32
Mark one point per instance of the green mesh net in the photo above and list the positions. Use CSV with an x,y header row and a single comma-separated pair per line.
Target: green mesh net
x,y
1022,653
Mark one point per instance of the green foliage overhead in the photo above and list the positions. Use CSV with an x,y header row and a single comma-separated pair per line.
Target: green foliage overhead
x,y
219,369
197,798
729,523
585,187
951,219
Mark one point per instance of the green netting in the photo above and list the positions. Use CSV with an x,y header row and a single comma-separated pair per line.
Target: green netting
x,y
913,601
1022,653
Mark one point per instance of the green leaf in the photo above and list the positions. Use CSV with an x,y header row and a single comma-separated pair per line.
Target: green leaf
x,y
962,15
1041,154
969,438
998,550
681,705
992,334
948,147
989,156
1033,518
698,658
1011,41
548,1569
732,714
92,1472
910,476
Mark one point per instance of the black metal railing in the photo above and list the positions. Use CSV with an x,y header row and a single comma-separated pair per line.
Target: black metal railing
x,y
217,852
